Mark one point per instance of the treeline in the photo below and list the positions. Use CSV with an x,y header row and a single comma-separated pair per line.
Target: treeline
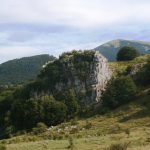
x,y
21,113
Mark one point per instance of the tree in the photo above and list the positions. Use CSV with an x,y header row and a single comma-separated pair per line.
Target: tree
x,y
119,91
127,53
143,76
25,114
69,98
54,111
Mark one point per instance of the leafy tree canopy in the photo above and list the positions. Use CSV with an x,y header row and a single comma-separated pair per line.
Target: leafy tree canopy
x,y
127,53
119,91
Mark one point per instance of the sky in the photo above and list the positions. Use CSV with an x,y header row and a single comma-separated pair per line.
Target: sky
x,y
32,27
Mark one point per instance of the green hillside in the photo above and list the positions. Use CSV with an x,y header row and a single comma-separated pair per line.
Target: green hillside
x,y
129,124
126,127
110,49
21,70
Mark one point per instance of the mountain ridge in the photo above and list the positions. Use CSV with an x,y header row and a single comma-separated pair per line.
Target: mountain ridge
x,y
20,70
111,48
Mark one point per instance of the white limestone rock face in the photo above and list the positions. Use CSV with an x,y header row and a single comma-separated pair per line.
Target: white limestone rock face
x,y
102,75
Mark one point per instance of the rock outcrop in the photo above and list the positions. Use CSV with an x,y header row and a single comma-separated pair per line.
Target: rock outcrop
x,y
87,73
134,69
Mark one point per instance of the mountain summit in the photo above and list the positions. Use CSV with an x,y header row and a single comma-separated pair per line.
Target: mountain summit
x,y
111,48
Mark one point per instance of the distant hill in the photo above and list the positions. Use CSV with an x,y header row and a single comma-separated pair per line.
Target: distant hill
x,y
20,70
110,49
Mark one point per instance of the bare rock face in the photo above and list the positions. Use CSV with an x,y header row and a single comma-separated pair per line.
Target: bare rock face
x,y
102,75
135,69
87,73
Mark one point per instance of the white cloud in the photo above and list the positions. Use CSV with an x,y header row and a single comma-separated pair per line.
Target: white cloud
x,y
30,27
7,53
75,12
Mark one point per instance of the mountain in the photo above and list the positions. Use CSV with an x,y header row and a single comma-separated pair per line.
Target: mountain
x,y
110,49
20,70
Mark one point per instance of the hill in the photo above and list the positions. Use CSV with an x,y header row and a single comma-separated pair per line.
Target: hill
x,y
123,128
18,71
110,49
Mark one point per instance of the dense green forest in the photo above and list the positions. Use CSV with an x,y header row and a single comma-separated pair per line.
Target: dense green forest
x,y
19,71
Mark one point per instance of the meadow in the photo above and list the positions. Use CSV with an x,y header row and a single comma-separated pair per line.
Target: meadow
x,y
128,125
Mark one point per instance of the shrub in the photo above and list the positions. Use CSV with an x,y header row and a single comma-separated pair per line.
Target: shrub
x,y
25,114
71,102
127,131
2,147
54,112
88,125
143,76
127,53
119,146
40,128
148,139
74,130
8,132
74,121
71,143
119,91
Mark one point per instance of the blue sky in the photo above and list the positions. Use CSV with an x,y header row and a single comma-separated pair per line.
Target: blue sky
x,y
31,27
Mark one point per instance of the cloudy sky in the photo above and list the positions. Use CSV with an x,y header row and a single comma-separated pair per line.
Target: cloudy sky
x,y
30,27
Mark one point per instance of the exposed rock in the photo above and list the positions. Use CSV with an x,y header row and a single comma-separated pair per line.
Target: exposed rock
x,y
135,69
87,77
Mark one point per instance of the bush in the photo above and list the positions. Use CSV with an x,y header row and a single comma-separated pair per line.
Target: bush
x,y
2,147
127,131
119,91
25,114
74,121
71,143
40,128
70,100
88,125
143,76
127,53
119,146
8,132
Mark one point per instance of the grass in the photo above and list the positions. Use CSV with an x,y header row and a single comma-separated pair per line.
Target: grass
x,y
120,67
127,124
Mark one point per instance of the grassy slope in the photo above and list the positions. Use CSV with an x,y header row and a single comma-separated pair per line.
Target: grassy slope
x,y
122,66
105,130
110,128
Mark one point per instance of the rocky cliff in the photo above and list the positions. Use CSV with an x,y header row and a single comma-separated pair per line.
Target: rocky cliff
x,y
85,72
